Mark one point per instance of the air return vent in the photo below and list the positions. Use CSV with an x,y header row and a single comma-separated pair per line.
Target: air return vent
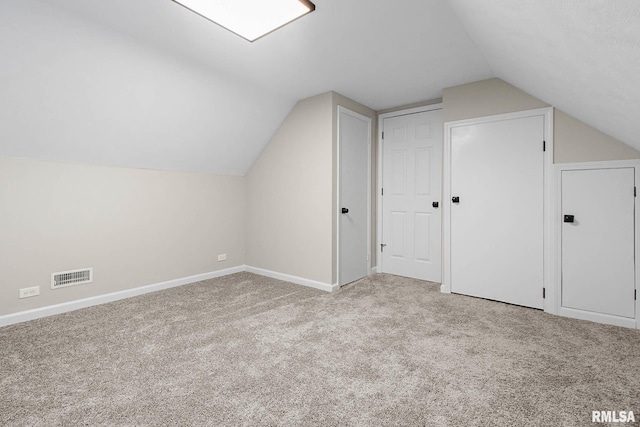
x,y
71,278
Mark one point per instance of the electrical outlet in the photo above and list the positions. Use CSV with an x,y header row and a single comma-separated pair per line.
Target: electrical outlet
x,y
30,292
222,257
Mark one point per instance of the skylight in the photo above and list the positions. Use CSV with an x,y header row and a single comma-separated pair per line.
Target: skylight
x,y
250,19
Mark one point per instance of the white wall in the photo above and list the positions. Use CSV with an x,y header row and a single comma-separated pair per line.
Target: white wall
x,y
574,141
134,227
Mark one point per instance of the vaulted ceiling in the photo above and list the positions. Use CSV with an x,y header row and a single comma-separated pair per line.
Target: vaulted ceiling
x,y
582,56
146,83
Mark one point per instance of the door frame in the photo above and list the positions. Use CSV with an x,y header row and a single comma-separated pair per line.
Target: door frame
x,y
380,169
549,256
578,314
368,120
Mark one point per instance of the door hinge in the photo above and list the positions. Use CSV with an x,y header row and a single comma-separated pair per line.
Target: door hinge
x,y
544,293
382,245
382,134
544,145
382,191
635,294
635,191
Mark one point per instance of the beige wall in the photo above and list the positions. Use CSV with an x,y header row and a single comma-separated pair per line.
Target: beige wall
x,y
485,98
292,192
289,196
574,141
340,100
133,226
137,227
582,143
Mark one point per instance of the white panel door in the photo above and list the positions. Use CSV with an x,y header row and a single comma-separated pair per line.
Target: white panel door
x,y
353,252
497,172
412,185
598,246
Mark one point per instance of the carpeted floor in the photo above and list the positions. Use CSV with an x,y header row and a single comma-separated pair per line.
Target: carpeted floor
x,y
248,350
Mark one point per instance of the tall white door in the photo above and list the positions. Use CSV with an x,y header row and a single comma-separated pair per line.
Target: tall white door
x,y
598,241
497,189
354,136
412,188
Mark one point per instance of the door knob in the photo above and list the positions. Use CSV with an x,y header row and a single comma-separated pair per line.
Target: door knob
x,y
569,218
345,210
435,204
455,199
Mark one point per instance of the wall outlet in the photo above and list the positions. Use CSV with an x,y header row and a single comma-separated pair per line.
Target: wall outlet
x,y
222,257
30,292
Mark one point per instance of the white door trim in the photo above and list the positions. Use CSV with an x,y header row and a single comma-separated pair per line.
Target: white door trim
x,y
351,113
611,164
380,162
549,259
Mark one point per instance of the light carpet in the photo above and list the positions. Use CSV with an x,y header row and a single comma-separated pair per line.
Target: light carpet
x,y
249,350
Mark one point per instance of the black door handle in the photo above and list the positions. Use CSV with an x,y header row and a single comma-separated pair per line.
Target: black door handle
x,y
569,218
435,204
455,199
345,210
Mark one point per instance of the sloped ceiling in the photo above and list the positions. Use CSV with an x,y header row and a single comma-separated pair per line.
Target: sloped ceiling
x,y
582,56
380,53
147,83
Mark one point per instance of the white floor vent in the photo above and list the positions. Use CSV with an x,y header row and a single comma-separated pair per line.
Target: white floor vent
x,y
71,278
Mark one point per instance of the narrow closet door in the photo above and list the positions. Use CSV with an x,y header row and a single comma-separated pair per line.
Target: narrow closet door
x,y
353,245
598,241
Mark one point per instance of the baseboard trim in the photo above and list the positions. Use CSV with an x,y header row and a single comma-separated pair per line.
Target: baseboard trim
x,y
607,319
37,313
293,279
50,310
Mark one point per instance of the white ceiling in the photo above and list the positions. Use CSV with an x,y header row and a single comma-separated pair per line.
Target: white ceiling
x,y
582,56
380,53
178,92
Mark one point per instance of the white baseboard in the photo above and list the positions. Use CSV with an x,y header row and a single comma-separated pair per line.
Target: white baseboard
x,y
598,318
37,313
374,270
293,279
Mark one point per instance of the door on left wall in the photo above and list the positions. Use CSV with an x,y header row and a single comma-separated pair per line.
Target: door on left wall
x,y
354,139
